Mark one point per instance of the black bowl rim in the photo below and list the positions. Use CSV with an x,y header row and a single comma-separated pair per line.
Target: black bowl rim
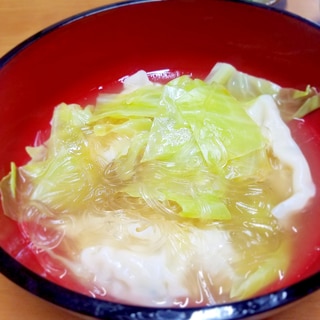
x,y
102,309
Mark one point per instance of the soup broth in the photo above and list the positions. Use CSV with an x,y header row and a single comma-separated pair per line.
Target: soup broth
x,y
190,234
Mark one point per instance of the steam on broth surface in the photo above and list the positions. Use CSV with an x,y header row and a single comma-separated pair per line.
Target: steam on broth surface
x,y
167,195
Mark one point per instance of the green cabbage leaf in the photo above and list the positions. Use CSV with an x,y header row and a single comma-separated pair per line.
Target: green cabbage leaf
x,y
292,103
178,143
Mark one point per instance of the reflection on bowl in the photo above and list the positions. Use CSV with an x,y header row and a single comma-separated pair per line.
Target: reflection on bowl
x,y
267,2
76,59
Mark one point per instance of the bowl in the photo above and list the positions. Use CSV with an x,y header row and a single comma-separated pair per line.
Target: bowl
x,y
78,58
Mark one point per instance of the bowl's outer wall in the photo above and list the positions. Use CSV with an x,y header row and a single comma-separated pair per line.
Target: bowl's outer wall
x,y
72,62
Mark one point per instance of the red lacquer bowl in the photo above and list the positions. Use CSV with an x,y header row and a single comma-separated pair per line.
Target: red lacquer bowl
x,y
75,59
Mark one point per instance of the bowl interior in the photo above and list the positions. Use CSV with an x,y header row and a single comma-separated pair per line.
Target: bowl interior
x,y
78,58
